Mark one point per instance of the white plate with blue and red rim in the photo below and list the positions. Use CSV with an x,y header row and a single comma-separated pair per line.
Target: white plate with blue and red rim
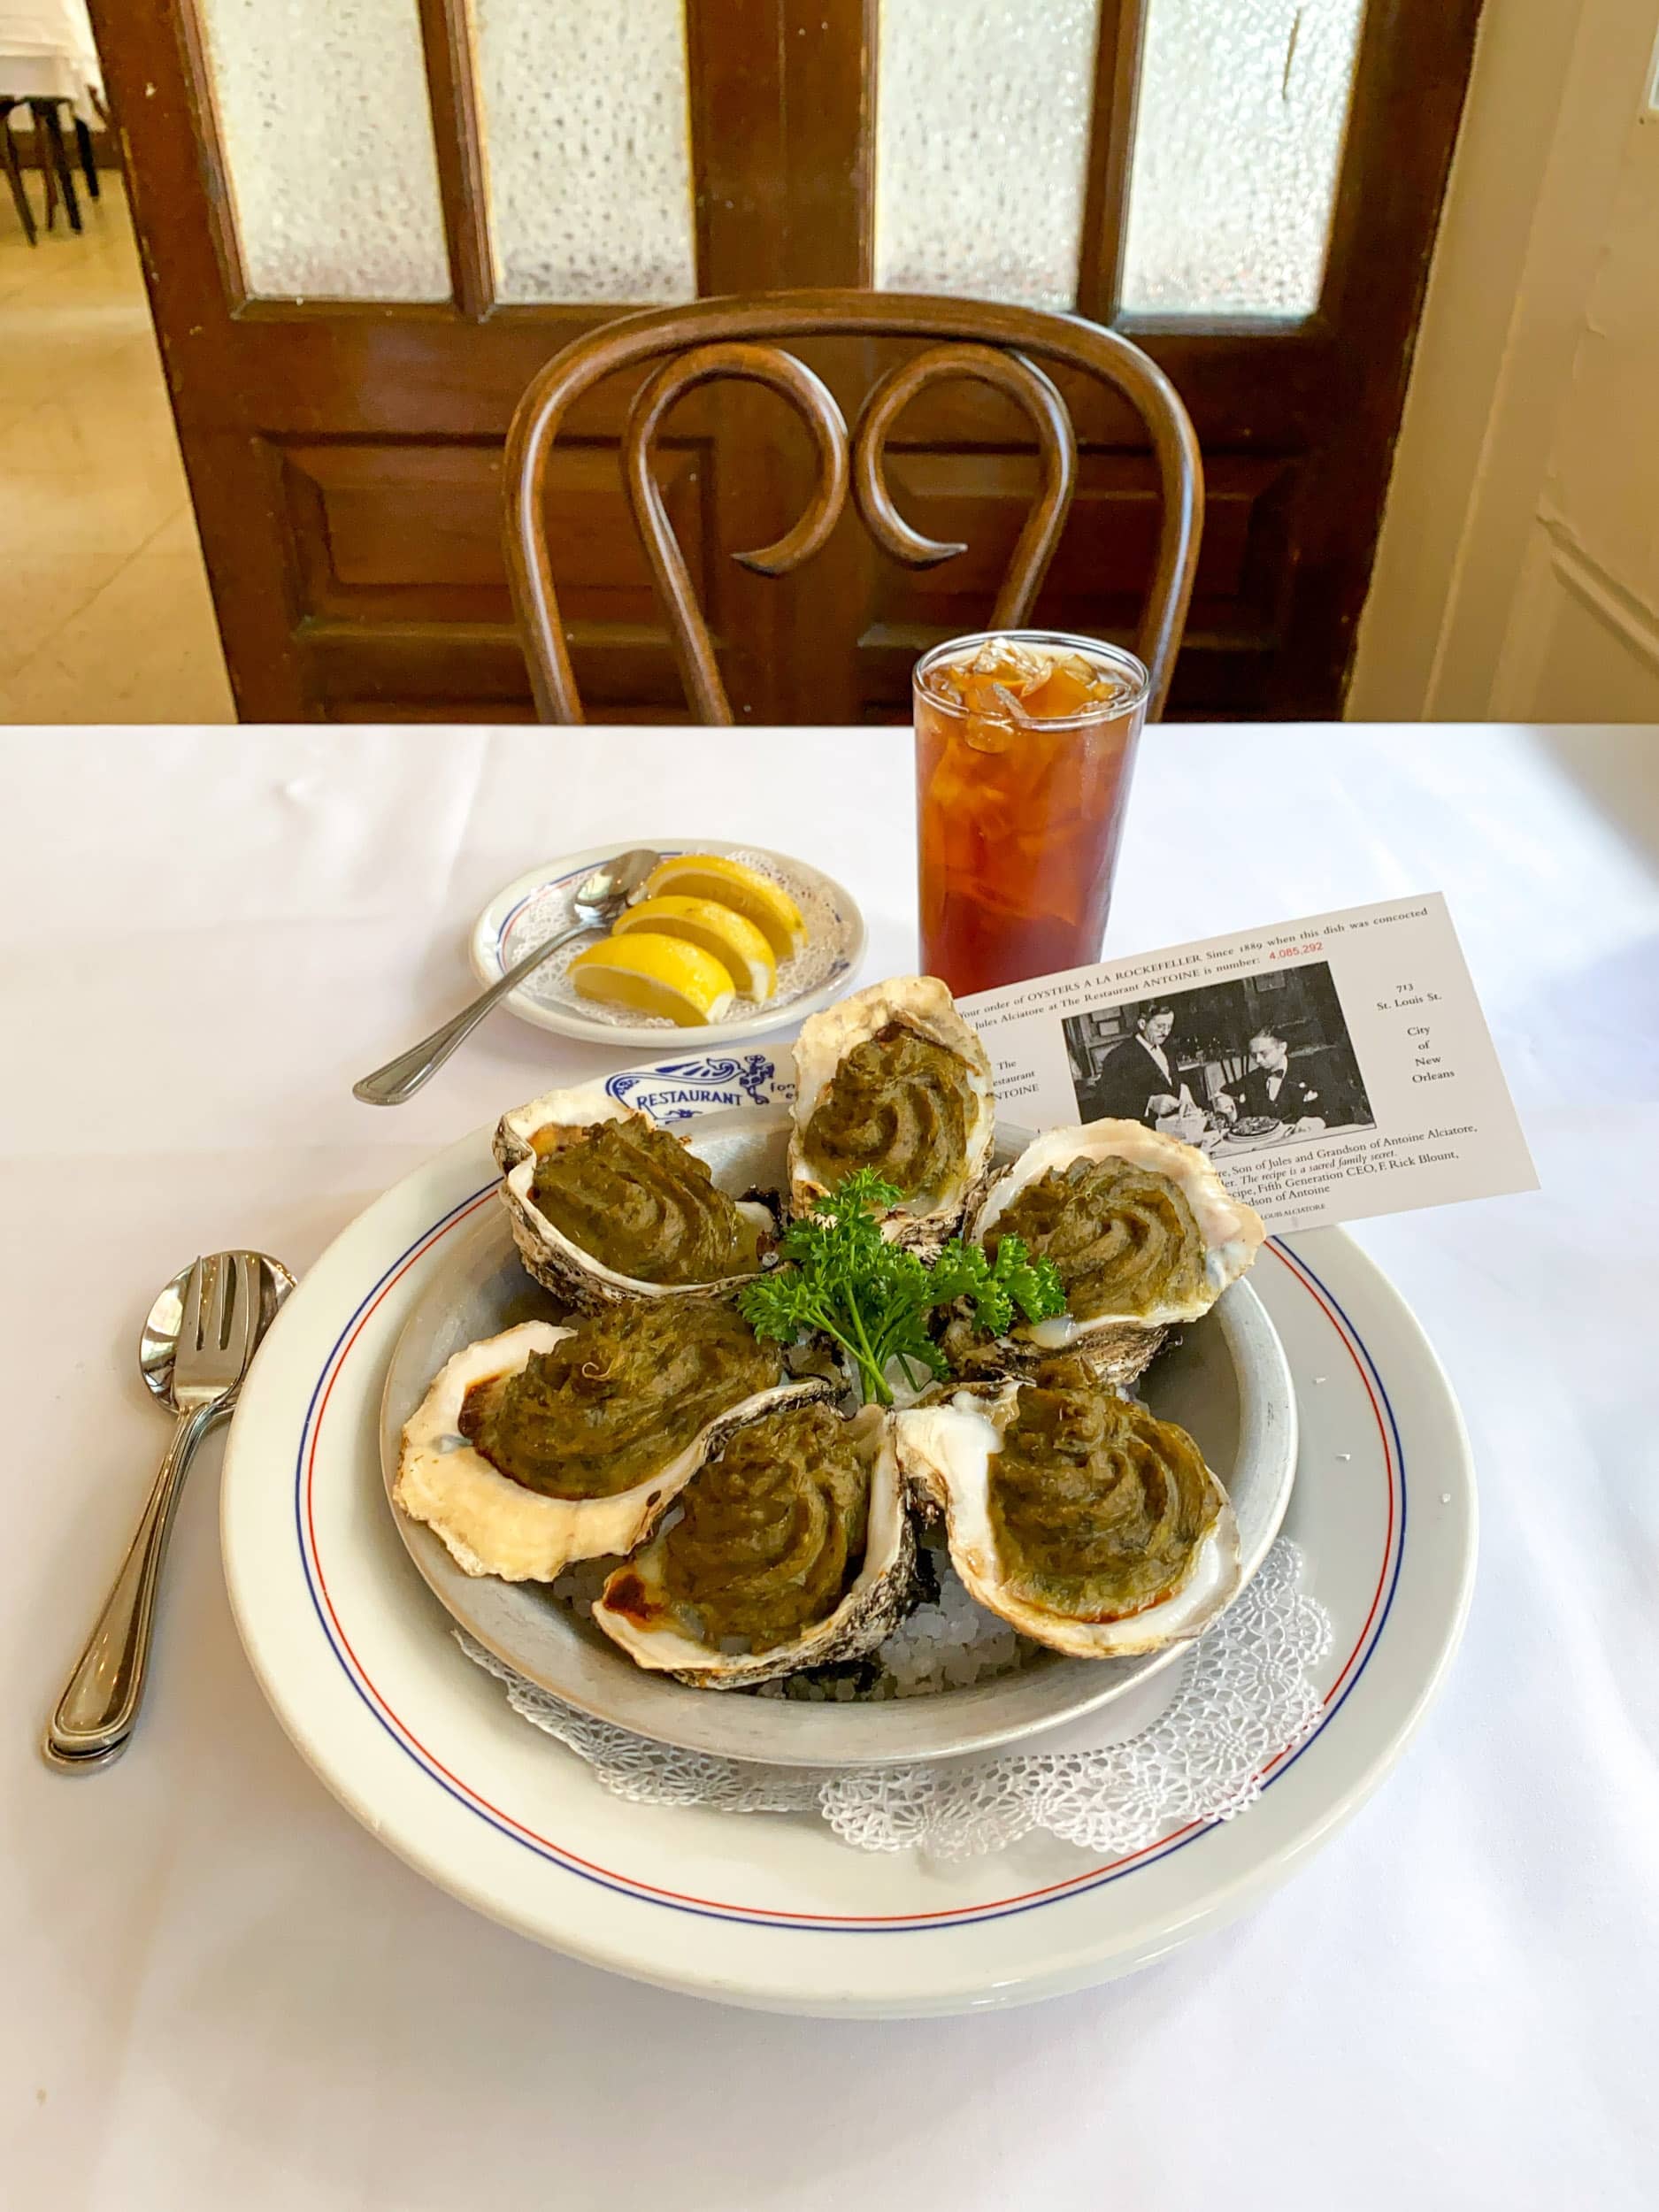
x,y
526,912
360,1664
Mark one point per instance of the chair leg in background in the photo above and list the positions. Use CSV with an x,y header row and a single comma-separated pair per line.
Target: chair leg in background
x,y
88,158
14,176
58,154
43,163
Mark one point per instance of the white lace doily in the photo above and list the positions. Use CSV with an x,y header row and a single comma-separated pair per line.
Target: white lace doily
x,y
1245,1696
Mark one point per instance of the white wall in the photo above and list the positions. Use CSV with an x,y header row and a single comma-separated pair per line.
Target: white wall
x,y
1518,572
1582,643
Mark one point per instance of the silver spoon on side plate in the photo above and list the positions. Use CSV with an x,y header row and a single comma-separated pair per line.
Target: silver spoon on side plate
x,y
599,899
199,1338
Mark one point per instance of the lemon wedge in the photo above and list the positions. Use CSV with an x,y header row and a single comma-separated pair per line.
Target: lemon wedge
x,y
649,974
756,897
735,942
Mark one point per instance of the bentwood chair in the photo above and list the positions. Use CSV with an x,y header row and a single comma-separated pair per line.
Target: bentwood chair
x,y
1003,346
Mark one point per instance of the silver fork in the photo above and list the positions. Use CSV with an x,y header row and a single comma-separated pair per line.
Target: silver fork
x,y
218,1328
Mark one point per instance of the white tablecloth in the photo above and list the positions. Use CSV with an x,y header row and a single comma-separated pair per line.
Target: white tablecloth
x,y
218,1991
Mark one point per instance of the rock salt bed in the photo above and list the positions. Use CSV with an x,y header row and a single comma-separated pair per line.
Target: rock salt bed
x,y
948,1642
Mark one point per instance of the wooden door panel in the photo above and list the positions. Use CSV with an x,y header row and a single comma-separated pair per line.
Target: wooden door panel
x,y
400,372
1238,389
1108,543
475,671
424,521
404,590
403,540
1095,581
417,517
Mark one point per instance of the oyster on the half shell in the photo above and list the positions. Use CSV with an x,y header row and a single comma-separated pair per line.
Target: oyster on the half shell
x,y
606,1205
892,1078
547,1444
1074,1513
790,1547
1141,1229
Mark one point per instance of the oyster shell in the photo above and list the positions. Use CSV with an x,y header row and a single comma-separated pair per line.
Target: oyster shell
x,y
1073,1514
493,1525
932,1119
552,1254
1142,1230
732,1593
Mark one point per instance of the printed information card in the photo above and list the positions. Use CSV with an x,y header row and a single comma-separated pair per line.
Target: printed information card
x,y
1331,1068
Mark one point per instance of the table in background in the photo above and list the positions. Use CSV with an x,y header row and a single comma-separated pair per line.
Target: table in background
x,y
48,57
220,1990
48,52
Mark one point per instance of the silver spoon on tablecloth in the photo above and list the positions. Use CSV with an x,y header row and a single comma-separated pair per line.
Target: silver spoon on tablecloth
x,y
599,899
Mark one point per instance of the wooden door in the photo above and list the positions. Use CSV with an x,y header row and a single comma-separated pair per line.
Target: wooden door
x,y
367,222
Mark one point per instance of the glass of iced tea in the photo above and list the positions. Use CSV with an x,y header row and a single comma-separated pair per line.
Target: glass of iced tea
x,y
1025,739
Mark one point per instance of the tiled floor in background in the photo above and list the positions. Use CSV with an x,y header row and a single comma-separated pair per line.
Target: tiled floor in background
x,y
105,614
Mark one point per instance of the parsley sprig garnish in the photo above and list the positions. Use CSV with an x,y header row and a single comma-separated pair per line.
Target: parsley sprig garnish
x,y
840,1277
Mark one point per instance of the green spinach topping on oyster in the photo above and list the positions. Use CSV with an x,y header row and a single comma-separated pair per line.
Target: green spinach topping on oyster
x,y
1098,1509
898,1104
773,1531
617,1398
643,1205
1122,1238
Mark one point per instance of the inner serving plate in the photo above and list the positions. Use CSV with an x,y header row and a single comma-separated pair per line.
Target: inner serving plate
x,y
1226,1382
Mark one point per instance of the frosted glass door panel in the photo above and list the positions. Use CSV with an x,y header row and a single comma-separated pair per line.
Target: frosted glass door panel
x,y
982,119
1238,142
325,130
588,148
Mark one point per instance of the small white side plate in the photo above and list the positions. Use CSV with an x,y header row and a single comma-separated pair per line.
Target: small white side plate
x,y
526,912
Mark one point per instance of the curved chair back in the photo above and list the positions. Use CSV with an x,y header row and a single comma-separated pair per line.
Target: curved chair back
x,y
708,338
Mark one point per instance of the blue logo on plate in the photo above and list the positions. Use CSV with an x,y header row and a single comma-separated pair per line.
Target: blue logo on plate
x,y
675,1090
